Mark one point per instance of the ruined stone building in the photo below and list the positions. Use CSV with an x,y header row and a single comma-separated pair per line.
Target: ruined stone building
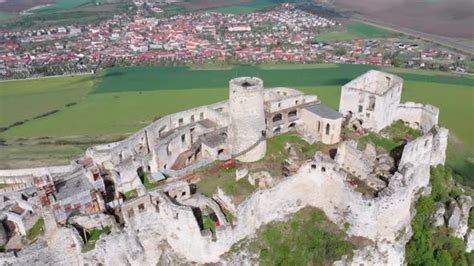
x,y
372,99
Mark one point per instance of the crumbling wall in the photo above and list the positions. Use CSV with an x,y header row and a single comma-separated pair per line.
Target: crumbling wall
x,y
352,160
417,115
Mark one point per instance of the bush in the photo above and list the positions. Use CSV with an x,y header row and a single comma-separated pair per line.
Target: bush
x,y
308,238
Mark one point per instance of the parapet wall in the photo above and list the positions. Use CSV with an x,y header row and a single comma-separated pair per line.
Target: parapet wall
x,y
152,132
417,115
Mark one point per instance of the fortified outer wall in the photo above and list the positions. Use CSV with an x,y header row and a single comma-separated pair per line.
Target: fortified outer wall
x,y
247,118
15,176
419,116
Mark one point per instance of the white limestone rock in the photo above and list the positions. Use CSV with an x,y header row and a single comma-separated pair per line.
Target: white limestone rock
x,y
465,202
437,218
241,173
470,241
454,216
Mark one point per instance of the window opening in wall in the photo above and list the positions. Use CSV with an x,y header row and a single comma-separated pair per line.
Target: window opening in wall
x,y
180,121
183,193
327,129
360,108
319,126
141,207
277,117
220,151
292,113
183,138
371,103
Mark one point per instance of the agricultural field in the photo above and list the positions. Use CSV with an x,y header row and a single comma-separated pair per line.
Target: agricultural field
x,y
60,5
123,100
252,6
450,18
63,12
26,99
353,31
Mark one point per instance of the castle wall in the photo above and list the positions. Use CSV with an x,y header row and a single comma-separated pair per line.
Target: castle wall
x,y
419,116
319,125
353,161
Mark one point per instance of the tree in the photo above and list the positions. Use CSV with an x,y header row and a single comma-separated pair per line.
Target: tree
x,y
340,51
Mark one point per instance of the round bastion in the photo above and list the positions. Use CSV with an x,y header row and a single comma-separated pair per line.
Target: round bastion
x,y
247,127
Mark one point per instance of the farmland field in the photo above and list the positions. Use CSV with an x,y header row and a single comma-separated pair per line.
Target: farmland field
x,y
26,99
450,18
253,6
353,31
61,5
123,100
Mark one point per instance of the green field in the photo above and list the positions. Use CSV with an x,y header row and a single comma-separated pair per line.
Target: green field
x,y
6,16
21,100
126,99
353,31
123,100
253,6
61,5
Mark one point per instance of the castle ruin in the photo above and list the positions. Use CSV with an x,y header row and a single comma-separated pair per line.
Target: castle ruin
x,y
164,222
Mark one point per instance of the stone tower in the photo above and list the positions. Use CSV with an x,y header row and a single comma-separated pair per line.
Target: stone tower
x,y
247,117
